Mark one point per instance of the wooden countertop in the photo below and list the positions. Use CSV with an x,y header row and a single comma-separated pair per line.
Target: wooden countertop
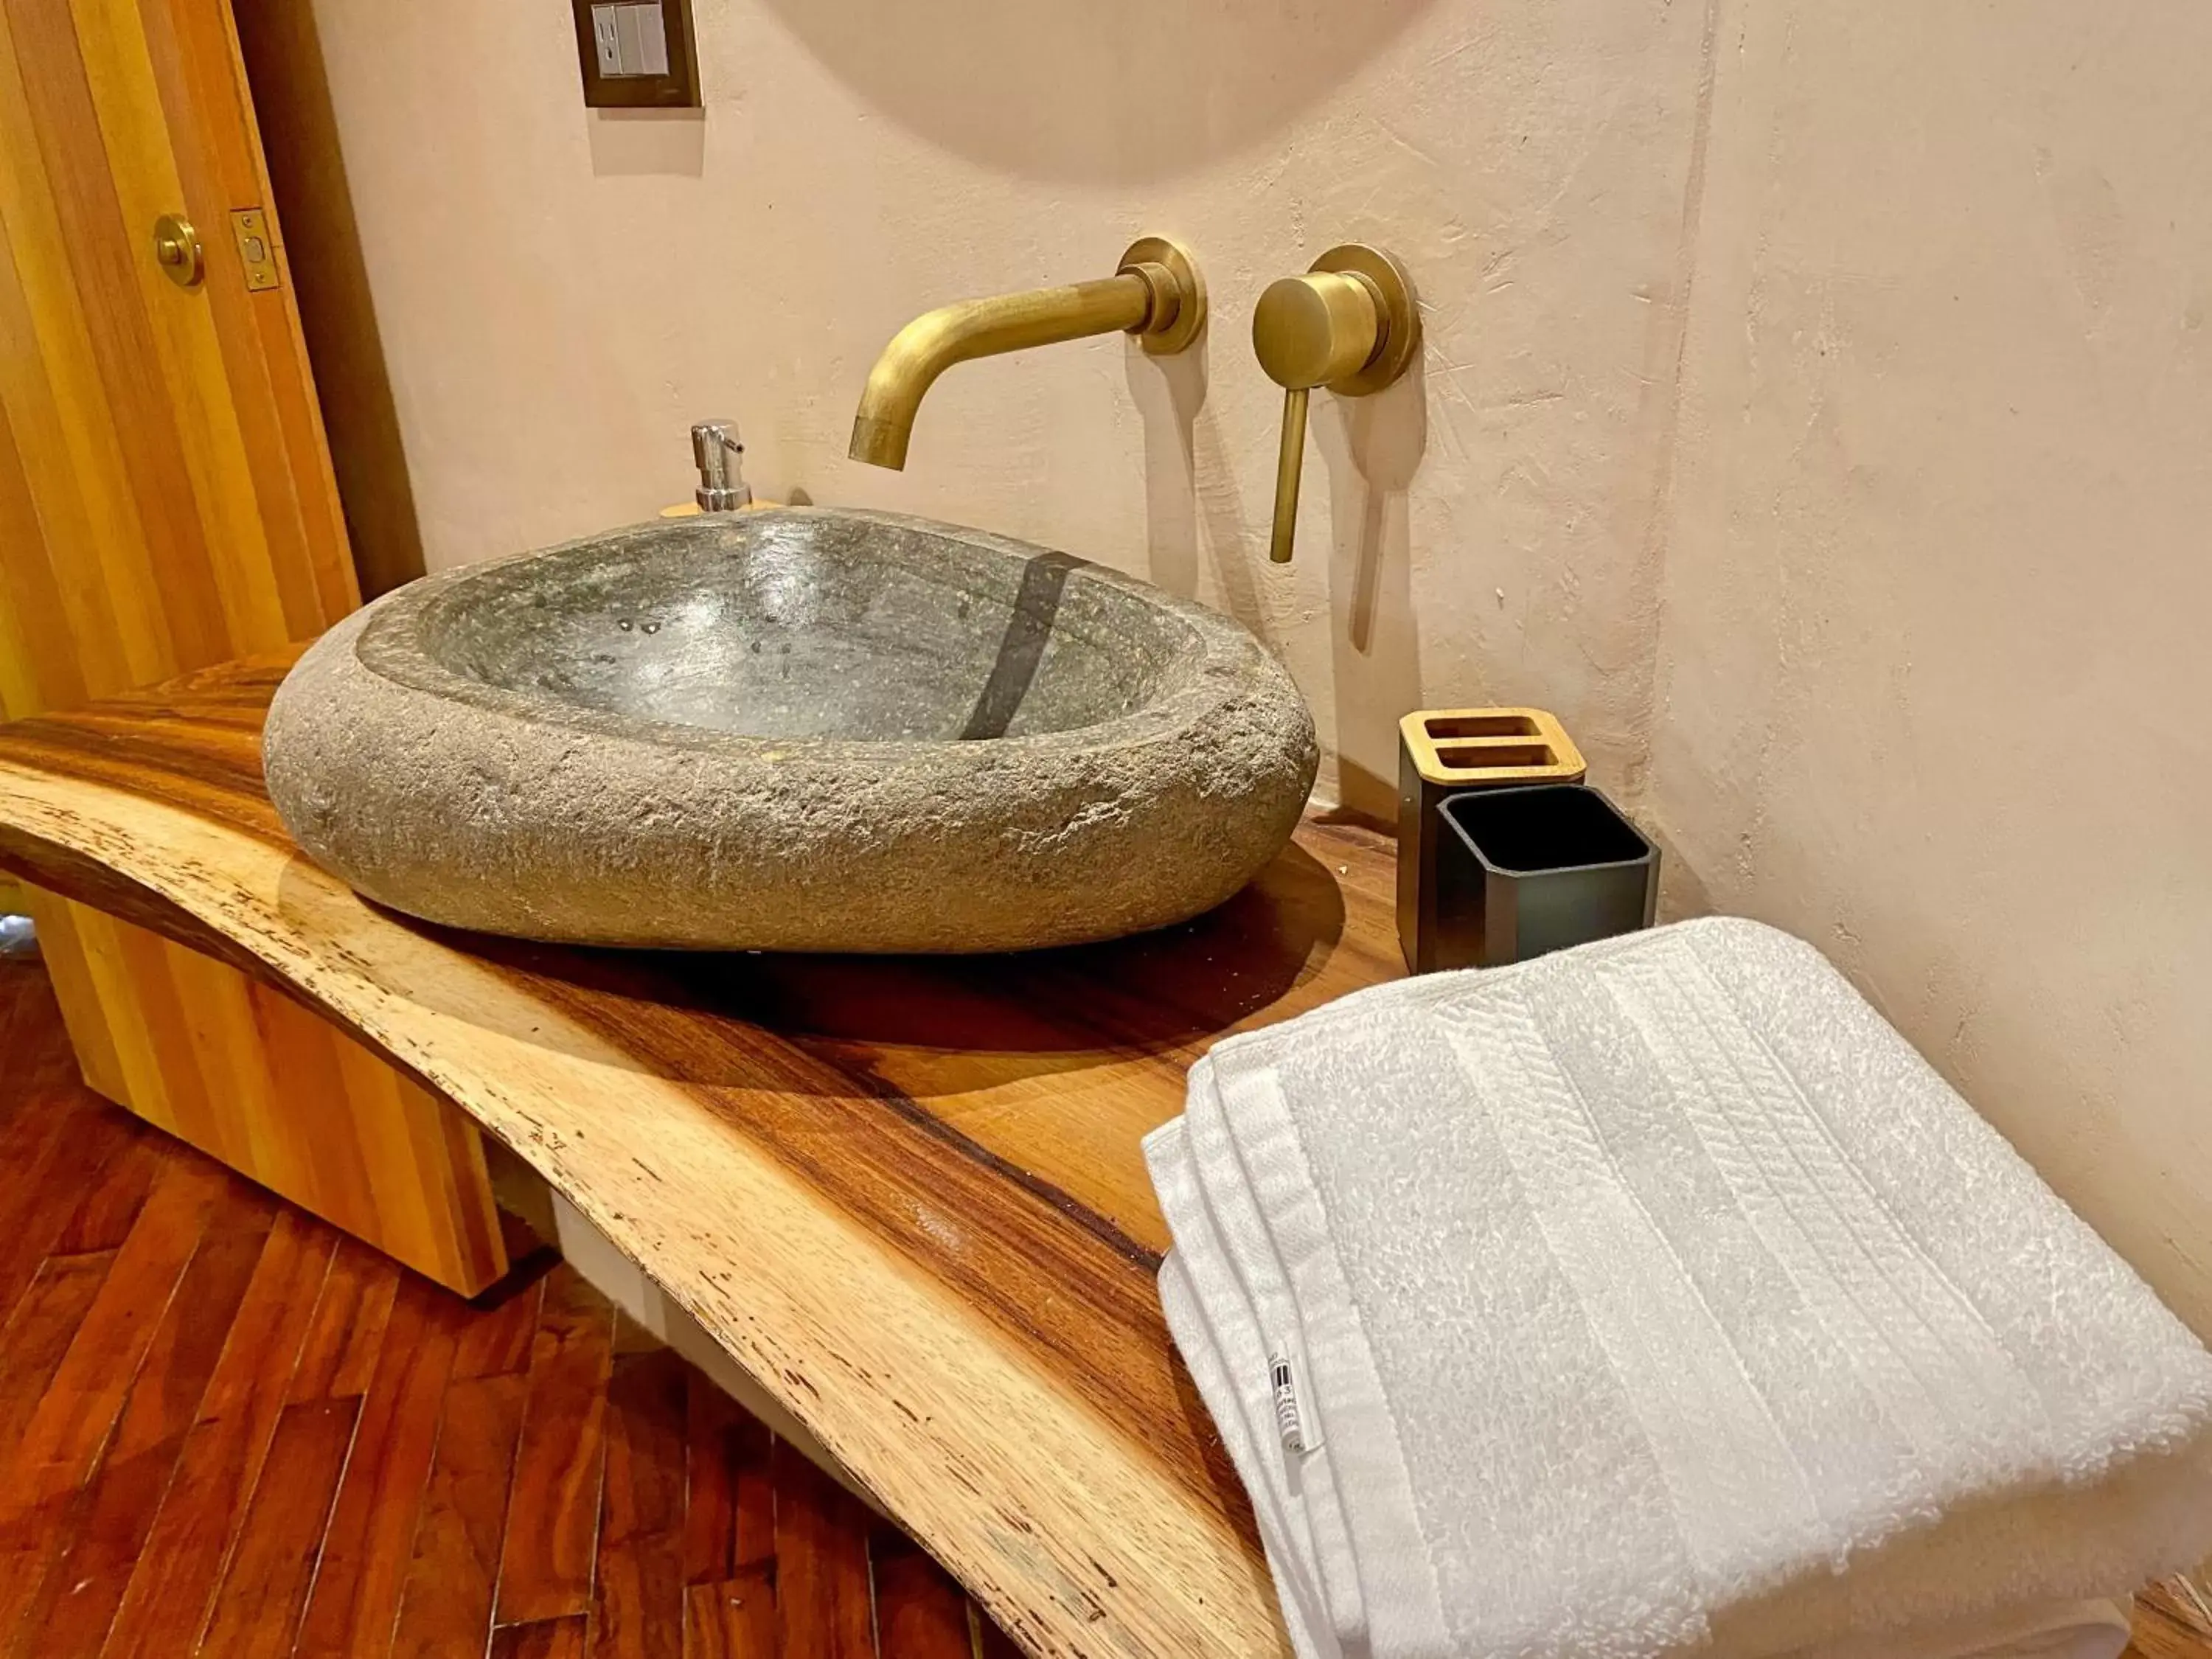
x,y
905,1193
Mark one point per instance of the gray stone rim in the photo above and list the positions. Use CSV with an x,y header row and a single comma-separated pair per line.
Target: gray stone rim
x,y
390,647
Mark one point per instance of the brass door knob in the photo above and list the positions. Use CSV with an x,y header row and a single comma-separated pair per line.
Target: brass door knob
x,y
177,250
1350,324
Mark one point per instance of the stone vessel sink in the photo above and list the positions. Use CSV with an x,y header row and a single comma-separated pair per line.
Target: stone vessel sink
x,y
792,730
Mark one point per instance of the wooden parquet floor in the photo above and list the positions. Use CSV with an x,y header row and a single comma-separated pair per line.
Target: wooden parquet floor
x,y
227,1430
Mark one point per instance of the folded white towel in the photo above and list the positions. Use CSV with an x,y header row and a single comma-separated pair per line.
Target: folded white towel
x,y
1653,1296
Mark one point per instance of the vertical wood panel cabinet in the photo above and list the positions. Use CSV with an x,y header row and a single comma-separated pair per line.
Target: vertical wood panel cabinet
x,y
166,501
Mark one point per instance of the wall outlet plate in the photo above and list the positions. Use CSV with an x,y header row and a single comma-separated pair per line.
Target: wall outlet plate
x,y
637,54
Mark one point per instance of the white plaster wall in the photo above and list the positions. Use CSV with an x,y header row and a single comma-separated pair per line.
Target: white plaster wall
x,y
560,294
1935,667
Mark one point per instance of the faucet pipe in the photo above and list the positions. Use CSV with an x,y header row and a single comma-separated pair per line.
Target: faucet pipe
x,y
1157,294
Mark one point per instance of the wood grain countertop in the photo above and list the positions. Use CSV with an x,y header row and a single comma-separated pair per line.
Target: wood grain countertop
x,y
906,1194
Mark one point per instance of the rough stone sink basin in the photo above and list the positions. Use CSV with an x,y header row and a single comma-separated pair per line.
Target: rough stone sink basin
x,y
797,729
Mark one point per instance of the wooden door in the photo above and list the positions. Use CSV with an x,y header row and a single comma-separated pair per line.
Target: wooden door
x,y
167,502
166,498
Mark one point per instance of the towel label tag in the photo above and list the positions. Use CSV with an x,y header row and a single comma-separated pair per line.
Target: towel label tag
x,y
1290,1421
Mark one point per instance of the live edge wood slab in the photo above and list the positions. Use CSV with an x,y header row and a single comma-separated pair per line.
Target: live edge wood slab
x,y
906,1194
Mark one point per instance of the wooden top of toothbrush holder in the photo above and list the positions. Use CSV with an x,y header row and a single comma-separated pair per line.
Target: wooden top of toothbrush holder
x,y
1480,748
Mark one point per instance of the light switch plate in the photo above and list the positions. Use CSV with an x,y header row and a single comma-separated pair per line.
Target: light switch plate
x,y
637,53
652,40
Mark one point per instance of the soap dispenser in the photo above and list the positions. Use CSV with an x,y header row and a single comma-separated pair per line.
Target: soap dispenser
x,y
720,455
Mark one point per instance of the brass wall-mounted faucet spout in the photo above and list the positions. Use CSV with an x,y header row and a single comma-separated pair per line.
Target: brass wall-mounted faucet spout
x,y
1156,294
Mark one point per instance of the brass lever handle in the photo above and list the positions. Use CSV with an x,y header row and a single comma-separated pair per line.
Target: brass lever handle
x,y
1290,464
1349,324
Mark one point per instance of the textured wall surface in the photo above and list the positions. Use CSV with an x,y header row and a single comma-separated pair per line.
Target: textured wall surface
x,y
1936,683
1816,413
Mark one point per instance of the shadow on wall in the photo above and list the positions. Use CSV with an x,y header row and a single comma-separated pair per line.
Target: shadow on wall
x,y
1075,90
1370,449
283,57
1372,446
1169,393
629,143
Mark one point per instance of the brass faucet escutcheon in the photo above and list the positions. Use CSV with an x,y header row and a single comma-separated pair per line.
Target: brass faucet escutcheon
x,y
1155,294
1350,323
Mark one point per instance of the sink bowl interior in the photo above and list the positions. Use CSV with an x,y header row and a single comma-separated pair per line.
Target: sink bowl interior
x,y
807,630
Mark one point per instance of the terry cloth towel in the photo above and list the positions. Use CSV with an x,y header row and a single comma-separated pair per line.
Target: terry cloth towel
x,y
1656,1298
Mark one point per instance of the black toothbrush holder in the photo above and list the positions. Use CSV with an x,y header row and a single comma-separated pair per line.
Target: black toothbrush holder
x,y
1443,752
1521,872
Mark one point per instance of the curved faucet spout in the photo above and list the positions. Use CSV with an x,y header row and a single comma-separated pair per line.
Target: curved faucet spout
x,y
1156,294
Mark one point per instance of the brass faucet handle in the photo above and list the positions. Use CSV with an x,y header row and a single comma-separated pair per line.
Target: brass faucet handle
x,y
1289,463
1349,324
1317,329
